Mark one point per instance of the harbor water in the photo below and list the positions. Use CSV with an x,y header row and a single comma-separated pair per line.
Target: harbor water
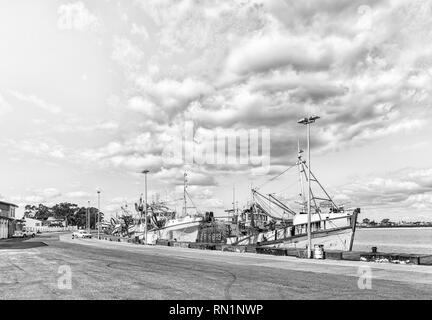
x,y
398,240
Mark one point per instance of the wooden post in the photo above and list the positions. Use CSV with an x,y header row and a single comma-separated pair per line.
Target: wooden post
x,y
353,226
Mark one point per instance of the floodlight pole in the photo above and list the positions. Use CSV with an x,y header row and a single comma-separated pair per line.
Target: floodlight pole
x,y
98,193
88,217
308,121
145,215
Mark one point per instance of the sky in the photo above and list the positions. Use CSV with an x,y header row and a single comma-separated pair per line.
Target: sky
x,y
94,92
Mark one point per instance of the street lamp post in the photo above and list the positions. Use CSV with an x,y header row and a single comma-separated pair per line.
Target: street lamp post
x,y
145,215
88,217
98,193
308,121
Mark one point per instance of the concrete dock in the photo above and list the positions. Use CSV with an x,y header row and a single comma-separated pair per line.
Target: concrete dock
x,y
32,269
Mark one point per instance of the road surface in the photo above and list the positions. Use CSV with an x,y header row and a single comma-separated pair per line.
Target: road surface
x,y
39,269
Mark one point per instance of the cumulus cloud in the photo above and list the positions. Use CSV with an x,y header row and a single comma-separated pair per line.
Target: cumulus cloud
x,y
38,196
72,125
364,66
36,101
76,16
169,95
127,54
408,188
140,31
195,177
78,194
338,60
4,106
48,148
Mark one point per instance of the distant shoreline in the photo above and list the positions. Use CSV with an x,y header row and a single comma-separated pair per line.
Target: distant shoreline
x,y
392,227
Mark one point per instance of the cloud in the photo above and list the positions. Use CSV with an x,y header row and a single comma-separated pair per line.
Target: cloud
x,y
361,65
39,196
75,125
36,101
4,106
169,95
78,194
75,16
140,31
195,177
274,51
47,148
407,188
127,54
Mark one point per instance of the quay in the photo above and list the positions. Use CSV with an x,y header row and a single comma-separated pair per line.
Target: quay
x,y
379,257
121,270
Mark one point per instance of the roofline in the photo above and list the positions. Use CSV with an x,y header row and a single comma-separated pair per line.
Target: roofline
x,y
11,219
9,204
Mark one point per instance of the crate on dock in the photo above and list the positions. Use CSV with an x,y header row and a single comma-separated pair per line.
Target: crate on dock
x,y
303,254
161,242
228,248
425,260
180,244
250,249
272,251
352,255
195,246
292,252
333,254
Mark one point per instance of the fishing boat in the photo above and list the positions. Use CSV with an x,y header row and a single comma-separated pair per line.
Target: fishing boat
x,y
331,226
182,227
269,221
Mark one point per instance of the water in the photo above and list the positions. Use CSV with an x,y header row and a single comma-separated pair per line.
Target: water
x,y
398,240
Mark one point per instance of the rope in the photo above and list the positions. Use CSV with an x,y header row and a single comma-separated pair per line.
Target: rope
x,y
275,177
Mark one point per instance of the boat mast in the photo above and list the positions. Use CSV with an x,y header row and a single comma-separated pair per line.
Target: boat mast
x,y
300,168
184,193
233,200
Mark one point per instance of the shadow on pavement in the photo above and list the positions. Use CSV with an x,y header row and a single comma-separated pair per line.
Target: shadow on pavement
x,y
20,243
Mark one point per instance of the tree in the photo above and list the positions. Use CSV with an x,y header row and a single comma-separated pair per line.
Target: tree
x,y
74,215
65,211
385,221
81,217
366,221
43,212
30,211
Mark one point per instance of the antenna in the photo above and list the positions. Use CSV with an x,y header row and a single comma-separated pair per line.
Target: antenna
x,y
184,192
233,203
300,169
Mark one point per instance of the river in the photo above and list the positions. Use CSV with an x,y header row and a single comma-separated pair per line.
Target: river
x,y
399,240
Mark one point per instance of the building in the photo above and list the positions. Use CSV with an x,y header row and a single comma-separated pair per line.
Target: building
x,y
7,219
49,225
32,224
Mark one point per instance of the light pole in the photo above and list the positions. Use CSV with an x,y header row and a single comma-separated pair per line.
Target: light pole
x,y
98,193
88,217
145,215
308,121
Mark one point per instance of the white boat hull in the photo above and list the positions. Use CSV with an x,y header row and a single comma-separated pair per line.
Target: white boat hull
x,y
331,240
338,239
182,230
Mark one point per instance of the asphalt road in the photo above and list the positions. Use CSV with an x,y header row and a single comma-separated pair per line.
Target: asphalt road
x,y
39,269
